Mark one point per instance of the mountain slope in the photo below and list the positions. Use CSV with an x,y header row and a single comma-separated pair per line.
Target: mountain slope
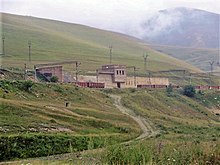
x,y
58,41
184,27
199,57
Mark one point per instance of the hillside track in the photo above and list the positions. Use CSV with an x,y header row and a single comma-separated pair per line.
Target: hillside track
x,y
144,124
147,130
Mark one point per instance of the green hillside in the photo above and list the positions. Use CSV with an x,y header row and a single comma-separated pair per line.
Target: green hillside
x,y
180,124
38,113
59,41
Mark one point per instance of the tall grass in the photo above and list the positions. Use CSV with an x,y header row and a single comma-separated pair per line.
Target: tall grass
x,y
162,153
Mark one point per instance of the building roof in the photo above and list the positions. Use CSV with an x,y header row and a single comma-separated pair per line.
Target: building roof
x,y
114,67
48,67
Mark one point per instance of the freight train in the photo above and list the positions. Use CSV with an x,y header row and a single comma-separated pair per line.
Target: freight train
x,y
197,87
153,86
90,84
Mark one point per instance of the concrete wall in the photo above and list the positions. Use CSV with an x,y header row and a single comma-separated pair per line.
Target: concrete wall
x,y
108,80
130,81
82,78
54,71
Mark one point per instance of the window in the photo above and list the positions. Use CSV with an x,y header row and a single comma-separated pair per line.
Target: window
x,y
123,72
117,72
120,72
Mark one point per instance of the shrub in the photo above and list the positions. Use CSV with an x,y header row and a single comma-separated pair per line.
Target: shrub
x,y
169,90
134,154
37,145
54,79
189,91
27,85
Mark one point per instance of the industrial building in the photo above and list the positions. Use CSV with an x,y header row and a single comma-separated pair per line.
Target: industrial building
x,y
115,76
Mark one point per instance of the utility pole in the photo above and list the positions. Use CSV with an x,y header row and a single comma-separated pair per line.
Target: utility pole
x,y
35,73
145,61
149,77
3,45
110,53
25,72
135,78
211,67
77,71
97,75
29,50
211,64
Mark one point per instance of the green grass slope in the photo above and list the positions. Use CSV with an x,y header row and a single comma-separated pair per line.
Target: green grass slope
x,y
199,57
189,130
39,114
35,121
59,41
43,109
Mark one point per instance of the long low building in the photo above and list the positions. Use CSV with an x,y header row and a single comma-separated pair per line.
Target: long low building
x,y
115,76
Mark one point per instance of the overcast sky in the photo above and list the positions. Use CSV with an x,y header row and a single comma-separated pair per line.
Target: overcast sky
x,y
115,15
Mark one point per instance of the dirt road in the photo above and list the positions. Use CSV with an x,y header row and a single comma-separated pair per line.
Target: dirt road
x,y
144,124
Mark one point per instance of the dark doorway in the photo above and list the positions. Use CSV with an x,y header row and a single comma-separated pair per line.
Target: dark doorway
x,y
119,85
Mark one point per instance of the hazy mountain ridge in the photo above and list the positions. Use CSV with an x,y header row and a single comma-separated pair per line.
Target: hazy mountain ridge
x,y
60,41
183,27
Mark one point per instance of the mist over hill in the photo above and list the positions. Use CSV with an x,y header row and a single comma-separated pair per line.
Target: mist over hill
x,y
183,27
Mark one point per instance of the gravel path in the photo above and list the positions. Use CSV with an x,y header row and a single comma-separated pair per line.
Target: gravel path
x,y
144,124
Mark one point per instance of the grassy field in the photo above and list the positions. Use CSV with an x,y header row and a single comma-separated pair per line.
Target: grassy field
x,y
189,131
59,41
44,107
39,112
